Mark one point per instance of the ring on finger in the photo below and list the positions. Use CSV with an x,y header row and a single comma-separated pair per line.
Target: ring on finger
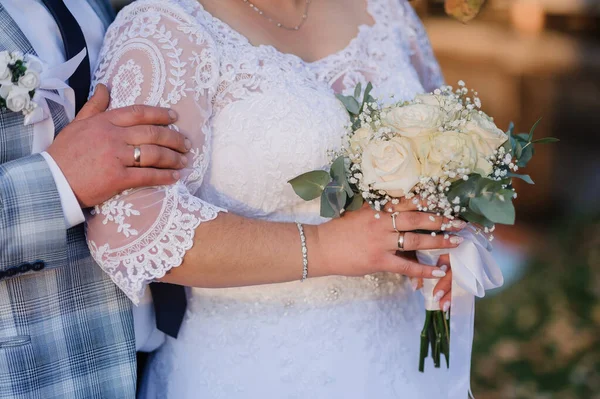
x,y
137,156
394,215
401,241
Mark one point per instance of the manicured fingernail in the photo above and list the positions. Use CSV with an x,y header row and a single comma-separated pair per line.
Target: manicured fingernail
x,y
459,224
172,115
438,273
439,296
184,160
446,306
176,175
444,268
188,144
414,284
456,240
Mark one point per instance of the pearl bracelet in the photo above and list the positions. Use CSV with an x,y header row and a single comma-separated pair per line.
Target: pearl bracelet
x,y
304,252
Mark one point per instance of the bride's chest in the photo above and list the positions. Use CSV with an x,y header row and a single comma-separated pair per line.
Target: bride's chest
x,y
275,117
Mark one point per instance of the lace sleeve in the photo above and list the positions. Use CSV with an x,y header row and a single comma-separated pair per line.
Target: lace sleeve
x,y
422,56
154,55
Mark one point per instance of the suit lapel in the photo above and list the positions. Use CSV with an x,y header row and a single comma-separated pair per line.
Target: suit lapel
x,y
13,39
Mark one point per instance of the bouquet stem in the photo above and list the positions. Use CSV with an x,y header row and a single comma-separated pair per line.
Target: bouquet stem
x,y
435,334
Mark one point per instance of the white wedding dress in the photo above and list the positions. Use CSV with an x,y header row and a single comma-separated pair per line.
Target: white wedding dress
x,y
258,117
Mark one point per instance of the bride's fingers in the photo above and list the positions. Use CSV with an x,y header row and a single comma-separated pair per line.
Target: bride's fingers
x,y
402,265
415,220
415,241
443,289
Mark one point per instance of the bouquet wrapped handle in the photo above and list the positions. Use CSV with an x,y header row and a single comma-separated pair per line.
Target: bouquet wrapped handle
x,y
474,271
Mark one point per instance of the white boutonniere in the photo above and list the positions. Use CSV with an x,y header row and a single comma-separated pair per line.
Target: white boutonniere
x,y
19,79
26,83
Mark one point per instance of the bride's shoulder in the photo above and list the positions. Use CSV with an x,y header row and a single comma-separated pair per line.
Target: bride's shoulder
x,y
151,12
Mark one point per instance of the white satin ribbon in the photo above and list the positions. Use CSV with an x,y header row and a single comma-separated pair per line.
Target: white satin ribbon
x,y
52,79
474,271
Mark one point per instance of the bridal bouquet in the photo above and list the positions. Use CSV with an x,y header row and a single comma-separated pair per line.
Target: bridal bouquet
x,y
444,152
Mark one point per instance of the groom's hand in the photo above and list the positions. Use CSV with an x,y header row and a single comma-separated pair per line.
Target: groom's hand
x,y
96,151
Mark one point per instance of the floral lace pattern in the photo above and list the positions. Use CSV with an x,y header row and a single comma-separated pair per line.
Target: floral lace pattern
x,y
258,117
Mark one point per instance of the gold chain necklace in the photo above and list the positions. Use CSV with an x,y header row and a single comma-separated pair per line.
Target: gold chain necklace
x,y
279,24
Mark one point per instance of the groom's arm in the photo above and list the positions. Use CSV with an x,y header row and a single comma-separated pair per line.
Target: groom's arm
x,y
94,155
32,223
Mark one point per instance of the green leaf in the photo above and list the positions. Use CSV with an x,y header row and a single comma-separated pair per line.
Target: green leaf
x,y
326,210
496,208
473,217
355,204
367,97
546,140
518,149
464,189
310,185
357,90
336,196
526,155
525,178
533,129
350,103
338,173
511,129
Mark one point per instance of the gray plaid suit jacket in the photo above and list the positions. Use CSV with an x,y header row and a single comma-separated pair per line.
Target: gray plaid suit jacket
x,y
65,330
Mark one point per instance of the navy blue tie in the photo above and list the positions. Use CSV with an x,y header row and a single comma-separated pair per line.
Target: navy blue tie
x,y
170,303
74,42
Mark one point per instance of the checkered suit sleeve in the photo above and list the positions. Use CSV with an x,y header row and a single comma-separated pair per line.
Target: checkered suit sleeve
x,y
32,223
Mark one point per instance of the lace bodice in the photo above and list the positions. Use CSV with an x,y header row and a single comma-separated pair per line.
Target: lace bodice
x,y
256,118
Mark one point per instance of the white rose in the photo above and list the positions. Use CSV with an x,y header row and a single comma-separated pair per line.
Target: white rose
x,y
359,140
447,104
415,119
391,166
5,89
448,149
4,61
18,99
485,134
29,81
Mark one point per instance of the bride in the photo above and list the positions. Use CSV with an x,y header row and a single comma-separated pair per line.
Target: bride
x,y
254,86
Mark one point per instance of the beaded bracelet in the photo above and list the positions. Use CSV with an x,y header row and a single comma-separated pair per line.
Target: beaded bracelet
x,y
304,252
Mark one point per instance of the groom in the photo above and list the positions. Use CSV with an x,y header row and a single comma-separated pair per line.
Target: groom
x,y
66,331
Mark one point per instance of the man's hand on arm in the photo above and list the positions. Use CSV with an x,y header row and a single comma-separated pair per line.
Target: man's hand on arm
x,y
96,151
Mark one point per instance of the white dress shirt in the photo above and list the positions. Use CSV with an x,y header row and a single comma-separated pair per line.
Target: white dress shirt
x,y
43,33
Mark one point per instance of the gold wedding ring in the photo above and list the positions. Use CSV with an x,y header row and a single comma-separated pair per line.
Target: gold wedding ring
x,y
394,215
137,155
401,241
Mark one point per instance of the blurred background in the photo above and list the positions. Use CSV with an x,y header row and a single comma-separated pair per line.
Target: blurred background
x,y
539,336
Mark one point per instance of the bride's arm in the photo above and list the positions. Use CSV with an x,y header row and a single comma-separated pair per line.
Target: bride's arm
x,y
422,57
165,233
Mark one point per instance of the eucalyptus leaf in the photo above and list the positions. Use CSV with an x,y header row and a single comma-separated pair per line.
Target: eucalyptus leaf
x,y
525,178
310,185
526,155
535,125
495,209
511,129
355,204
350,103
326,210
546,140
518,149
338,173
464,189
357,90
336,196
367,97
473,217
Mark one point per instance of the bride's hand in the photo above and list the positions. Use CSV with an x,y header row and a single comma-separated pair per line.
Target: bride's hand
x,y
443,288
358,243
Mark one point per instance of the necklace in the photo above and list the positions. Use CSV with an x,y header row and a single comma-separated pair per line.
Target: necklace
x,y
279,24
